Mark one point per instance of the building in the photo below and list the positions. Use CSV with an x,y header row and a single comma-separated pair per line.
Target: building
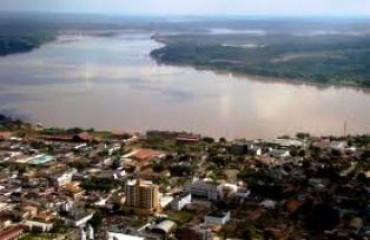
x,y
11,233
188,138
63,178
5,135
279,153
205,189
282,142
164,227
142,196
217,217
82,137
121,236
239,147
80,218
180,201
194,232
38,226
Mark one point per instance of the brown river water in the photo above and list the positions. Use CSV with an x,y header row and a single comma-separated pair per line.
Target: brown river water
x,y
112,83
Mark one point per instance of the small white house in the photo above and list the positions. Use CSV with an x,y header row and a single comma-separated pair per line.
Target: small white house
x,y
64,178
270,204
121,236
44,227
217,218
279,153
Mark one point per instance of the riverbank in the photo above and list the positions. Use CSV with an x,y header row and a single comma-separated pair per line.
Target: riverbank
x,y
325,61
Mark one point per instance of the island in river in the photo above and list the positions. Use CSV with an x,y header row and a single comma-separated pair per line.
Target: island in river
x,y
330,51
335,58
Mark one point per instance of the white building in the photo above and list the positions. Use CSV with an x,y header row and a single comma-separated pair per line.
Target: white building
x,y
82,235
90,231
121,236
41,226
286,142
181,201
279,153
270,204
64,178
338,145
205,189
80,220
217,218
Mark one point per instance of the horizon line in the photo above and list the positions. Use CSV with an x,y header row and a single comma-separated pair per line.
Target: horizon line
x,y
195,15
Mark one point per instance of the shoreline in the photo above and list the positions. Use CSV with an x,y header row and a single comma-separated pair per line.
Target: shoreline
x,y
238,75
253,77
268,79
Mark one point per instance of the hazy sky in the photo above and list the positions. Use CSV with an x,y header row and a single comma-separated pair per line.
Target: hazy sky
x,y
281,7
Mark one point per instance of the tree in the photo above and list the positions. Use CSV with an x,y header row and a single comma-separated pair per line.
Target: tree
x,y
365,155
96,219
293,152
222,140
116,163
74,130
301,153
158,167
336,153
322,217
250,232
302,135
209,140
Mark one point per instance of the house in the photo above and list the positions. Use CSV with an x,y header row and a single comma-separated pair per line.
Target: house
x,y
164,227
74,190
279,153
30,209
195,232
217,217
63,178
38,226
338,145
82,137
144,155
5,135
180,201
80,218
121,236
227,190
282,142
11,233
270,204
239,147
4,206
188,138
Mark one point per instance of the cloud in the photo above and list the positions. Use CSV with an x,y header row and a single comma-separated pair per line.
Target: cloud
x,y
353,7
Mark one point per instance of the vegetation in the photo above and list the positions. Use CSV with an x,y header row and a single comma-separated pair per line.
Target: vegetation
x,y
102,184
325,59
23,35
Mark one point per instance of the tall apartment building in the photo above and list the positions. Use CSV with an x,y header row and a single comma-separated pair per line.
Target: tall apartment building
x,y
142,196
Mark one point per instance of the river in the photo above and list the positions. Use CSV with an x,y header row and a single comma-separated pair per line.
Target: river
x,y
112,83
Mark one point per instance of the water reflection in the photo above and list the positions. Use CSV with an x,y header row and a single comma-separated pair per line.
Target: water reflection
x,y
111,83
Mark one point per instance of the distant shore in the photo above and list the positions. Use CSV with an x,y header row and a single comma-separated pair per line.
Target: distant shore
x,y
221,58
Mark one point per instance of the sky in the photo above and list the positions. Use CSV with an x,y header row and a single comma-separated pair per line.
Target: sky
x,y
196,7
